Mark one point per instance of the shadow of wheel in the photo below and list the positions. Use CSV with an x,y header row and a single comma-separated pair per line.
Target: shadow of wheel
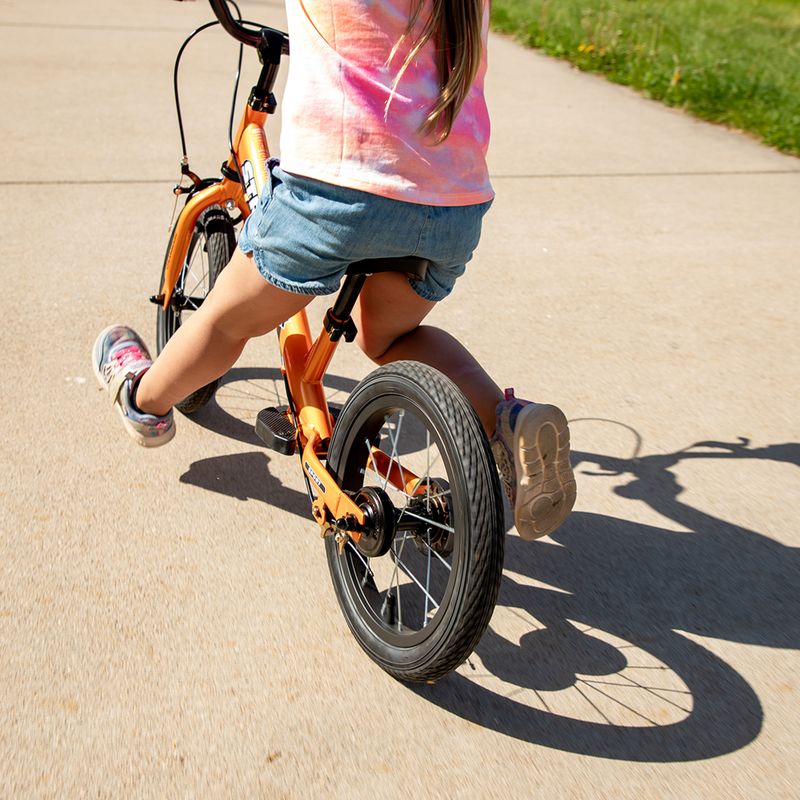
x,y
721,712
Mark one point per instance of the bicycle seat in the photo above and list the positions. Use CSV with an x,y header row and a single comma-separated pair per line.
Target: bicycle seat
x,y
413,266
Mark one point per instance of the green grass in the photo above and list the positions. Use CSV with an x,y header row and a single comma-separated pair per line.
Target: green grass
x,y
735,62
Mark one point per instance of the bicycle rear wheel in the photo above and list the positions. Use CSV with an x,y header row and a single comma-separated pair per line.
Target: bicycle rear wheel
x,y
210,249
419,609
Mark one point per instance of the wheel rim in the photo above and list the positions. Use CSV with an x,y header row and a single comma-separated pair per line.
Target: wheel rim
x,y
404,597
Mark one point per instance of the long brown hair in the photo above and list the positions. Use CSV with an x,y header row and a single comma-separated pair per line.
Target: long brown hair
x,y
455,27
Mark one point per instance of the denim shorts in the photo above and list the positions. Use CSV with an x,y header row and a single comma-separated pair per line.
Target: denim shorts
x,y
304,233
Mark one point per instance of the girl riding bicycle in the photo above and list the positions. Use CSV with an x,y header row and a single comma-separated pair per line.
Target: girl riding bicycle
x,y
383,145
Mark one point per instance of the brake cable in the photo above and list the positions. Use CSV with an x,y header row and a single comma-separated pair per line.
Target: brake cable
x,y
185,158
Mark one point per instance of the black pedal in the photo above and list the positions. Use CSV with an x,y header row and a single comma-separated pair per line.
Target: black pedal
x,y
276,430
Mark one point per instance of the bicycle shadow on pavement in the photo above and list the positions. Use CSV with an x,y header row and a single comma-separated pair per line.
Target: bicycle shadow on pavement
x,y
246,476
613,599
244,391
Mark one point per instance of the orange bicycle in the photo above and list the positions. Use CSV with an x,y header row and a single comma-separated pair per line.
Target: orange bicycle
x,y
402,482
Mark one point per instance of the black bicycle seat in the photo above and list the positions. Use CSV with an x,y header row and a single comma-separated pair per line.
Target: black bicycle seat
x,y
413,266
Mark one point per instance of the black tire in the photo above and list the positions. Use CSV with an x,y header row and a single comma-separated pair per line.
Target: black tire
x,y
427,426
210,249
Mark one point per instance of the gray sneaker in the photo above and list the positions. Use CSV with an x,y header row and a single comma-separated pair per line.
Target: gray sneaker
x,y
119,357
531,449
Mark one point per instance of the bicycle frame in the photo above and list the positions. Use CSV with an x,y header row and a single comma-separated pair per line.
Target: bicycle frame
x,y
304,361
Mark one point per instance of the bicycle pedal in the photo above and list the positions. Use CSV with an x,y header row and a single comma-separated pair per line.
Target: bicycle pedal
x,y
276,430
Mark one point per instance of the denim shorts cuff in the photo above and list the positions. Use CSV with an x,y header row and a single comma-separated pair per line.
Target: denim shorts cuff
x,y
244,243
426,293
280,283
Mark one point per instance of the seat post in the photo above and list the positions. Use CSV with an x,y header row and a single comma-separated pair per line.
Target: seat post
x,y
348,294
337,325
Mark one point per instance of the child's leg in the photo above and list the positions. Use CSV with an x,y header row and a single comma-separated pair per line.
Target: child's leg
x,y
530,441
240,306
388,315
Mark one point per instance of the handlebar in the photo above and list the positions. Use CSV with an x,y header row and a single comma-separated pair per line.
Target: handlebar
x,y
248,36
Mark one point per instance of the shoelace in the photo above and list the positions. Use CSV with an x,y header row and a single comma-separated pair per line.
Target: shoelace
x,y
120,359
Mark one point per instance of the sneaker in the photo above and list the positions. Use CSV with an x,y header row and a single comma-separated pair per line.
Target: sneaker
x,y
531,448
119,358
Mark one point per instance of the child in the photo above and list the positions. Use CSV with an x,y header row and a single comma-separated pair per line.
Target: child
x,y
385,132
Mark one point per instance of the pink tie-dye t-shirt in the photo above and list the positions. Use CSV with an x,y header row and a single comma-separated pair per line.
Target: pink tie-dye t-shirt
x,y
342,124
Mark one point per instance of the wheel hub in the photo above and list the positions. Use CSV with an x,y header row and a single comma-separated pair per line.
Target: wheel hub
x,y
434,505
379,528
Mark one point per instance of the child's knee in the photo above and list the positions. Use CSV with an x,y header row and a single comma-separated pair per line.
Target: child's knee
x,y
372,346
234,327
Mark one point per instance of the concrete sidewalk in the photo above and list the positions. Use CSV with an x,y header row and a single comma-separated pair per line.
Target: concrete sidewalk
x,y
167,624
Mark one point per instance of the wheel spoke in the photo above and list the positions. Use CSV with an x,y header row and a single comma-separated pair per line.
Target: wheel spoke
x,y
202,280
434,495
372,465
411,575
368,573
200,284
392,580
431,550
429,521
427,578
394,456
428,471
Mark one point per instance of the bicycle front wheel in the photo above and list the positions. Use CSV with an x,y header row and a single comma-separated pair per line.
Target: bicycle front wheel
x,y
210,249
419,605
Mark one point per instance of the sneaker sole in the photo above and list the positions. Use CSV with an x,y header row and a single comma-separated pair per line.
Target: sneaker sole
x,y
546,493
